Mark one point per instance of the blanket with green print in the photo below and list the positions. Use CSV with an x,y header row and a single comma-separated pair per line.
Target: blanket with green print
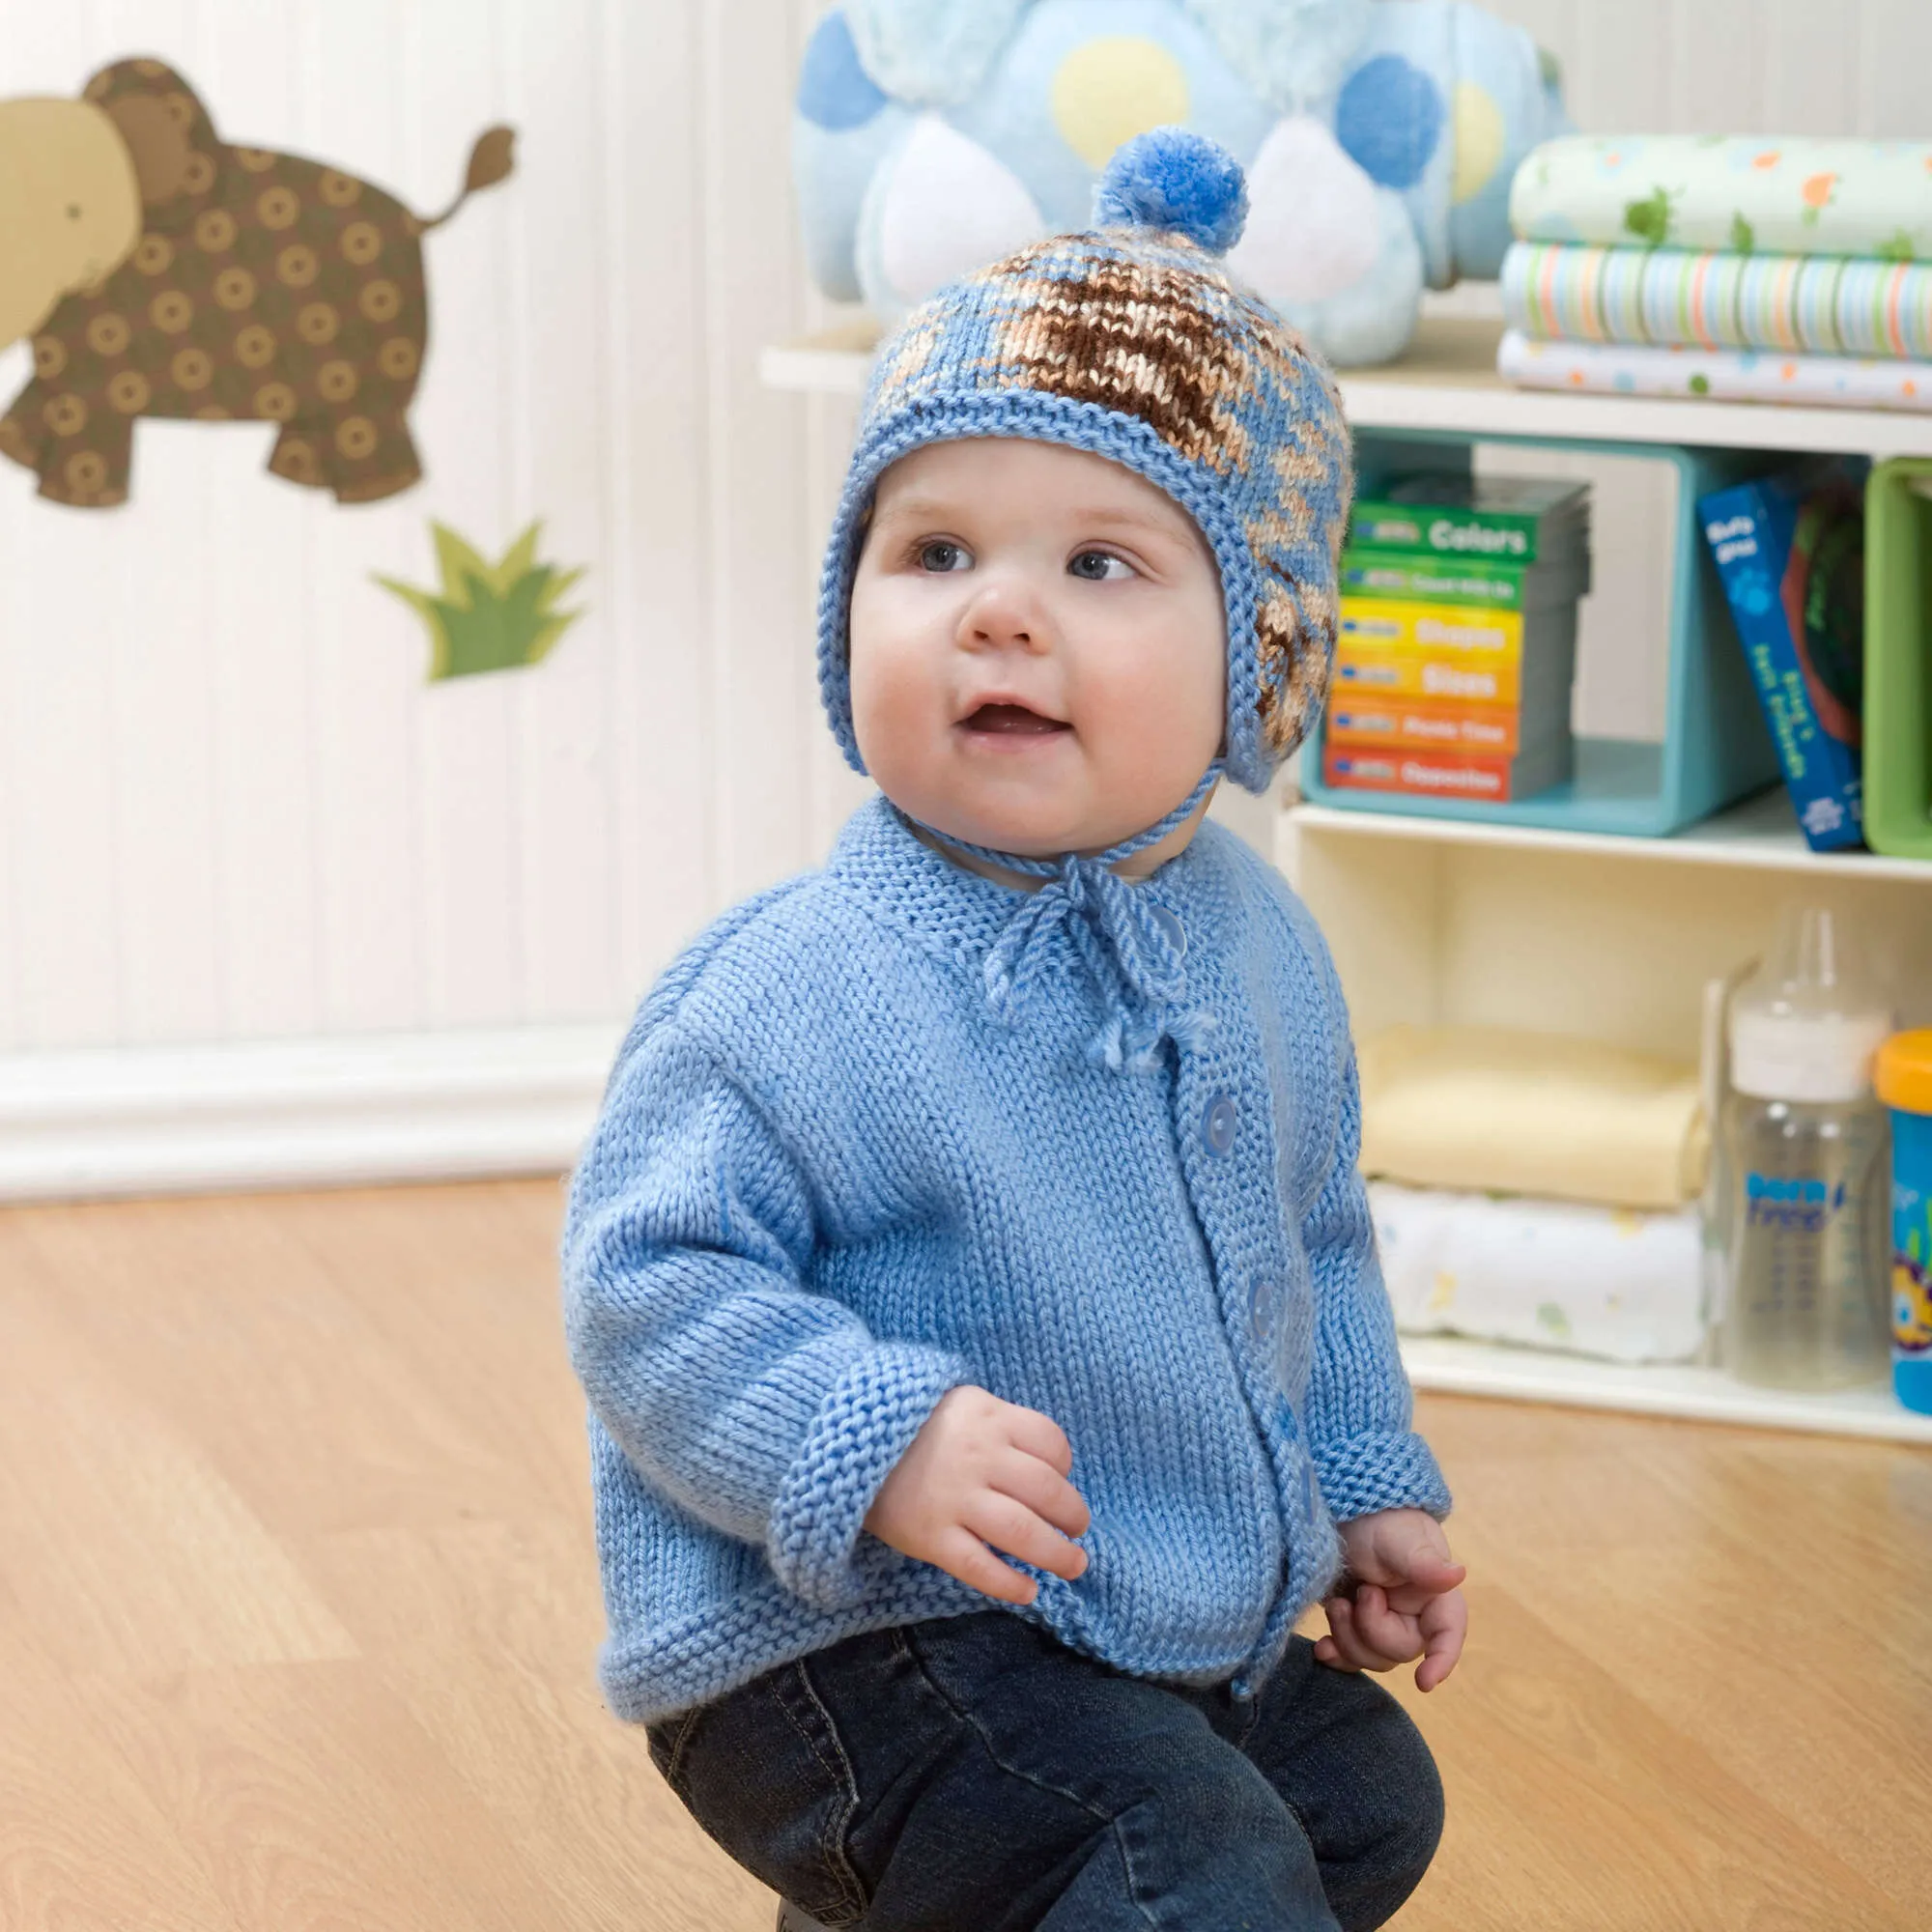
x,y
1806,195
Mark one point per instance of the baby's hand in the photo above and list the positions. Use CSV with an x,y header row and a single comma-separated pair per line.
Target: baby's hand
x,y
980,1472
1403,1598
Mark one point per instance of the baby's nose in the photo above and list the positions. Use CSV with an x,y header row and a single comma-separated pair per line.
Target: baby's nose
x,y
1003,634
999,619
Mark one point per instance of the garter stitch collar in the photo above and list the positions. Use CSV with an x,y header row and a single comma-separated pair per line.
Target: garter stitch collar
x,y
1132,947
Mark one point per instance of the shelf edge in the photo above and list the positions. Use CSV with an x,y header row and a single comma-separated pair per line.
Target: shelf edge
x,y
1374,403
1444,1366
801,370
1683,850
1377,404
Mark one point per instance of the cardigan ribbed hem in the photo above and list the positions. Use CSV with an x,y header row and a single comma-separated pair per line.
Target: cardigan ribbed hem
x,y
649,1675
655,1674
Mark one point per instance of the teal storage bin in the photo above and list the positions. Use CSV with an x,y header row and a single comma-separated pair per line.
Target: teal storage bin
x,y
1898,659
1715,748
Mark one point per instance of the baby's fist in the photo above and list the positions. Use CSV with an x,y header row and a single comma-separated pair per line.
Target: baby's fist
x,y
1402,1600
984,1475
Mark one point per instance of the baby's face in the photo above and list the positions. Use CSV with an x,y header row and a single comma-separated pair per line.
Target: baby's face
x,y
1038,649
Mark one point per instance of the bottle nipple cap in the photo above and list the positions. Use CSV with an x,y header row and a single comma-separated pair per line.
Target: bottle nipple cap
x,y
1807,1024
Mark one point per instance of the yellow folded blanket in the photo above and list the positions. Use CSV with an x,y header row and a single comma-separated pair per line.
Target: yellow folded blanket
x,y
1501,1112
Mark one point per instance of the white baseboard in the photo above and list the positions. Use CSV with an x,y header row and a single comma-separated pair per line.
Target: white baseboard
x,y
298,1114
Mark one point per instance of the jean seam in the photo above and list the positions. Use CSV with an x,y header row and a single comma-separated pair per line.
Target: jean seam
x,y
1294,1813
834,1854
675,1758
1248,1723
836,1846
966,1718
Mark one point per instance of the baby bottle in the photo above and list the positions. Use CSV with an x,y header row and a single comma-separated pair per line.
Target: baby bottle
x,y
1805,1141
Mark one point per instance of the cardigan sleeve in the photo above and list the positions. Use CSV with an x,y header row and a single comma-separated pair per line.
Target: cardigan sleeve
x,y
767,1410
1366,1454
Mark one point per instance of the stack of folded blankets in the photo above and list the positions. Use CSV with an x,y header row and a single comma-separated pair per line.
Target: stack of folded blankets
x,y
1537,1189
1734,269
1457,649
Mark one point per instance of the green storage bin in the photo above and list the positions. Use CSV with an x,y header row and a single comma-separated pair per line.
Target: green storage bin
x,y
1899,658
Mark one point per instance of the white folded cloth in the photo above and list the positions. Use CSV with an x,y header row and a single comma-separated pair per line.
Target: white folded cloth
x,y
1553,1274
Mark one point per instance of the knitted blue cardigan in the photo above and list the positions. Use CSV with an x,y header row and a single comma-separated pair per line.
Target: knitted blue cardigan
x,y
829,1185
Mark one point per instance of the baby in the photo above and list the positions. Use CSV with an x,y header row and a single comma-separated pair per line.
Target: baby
x,y
970,1274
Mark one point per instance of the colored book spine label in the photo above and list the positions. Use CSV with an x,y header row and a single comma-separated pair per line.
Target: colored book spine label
x,y
1494,586
1400,673
1436,630
1502,535
1417,775
1364,721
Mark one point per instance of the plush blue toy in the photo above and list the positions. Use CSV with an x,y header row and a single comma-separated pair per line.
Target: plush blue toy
x,y
1378,137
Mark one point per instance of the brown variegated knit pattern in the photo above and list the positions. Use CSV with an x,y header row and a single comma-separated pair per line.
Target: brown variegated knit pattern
x,y
1135,344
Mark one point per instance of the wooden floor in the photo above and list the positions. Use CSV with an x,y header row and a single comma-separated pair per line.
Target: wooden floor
x,y
298,1615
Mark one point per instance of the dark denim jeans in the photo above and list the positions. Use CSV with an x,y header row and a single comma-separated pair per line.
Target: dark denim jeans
x,y
972,1775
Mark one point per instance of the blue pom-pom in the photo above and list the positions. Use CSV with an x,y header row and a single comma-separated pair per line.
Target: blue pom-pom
x,y
1171,180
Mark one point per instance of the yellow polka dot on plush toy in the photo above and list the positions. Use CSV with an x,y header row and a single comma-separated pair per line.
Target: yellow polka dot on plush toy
x,y
1480,140
1111,89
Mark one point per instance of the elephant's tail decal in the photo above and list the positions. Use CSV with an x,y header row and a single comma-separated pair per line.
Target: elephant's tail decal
x,y
491,161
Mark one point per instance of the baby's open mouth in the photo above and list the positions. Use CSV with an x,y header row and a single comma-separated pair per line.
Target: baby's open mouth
x,y
1012,720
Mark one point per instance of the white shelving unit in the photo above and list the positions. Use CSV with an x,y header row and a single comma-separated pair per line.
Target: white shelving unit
x,y
835,362
1704,1395
1440,920
1760,835
1448,381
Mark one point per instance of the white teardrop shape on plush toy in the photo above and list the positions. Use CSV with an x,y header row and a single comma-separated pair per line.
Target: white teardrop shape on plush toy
x,y
1371,319
1313,228
938,209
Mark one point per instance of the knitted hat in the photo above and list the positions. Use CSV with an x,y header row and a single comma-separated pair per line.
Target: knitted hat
x,y
1131,341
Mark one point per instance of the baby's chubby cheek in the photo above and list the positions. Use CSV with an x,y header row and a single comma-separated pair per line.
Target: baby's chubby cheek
x,y
1014,790
1152,733
1139,741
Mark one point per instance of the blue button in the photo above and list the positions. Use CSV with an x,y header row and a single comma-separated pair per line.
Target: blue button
x,y
1261,1311
1172,929
1217,1123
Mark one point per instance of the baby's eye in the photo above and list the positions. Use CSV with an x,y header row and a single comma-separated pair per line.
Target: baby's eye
x,y
1099,566
942,555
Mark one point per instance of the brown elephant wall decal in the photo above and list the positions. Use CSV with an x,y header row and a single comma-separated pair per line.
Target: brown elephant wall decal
x,y
162,272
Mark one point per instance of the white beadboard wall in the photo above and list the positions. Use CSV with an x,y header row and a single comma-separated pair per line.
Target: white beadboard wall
x,y
248,857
